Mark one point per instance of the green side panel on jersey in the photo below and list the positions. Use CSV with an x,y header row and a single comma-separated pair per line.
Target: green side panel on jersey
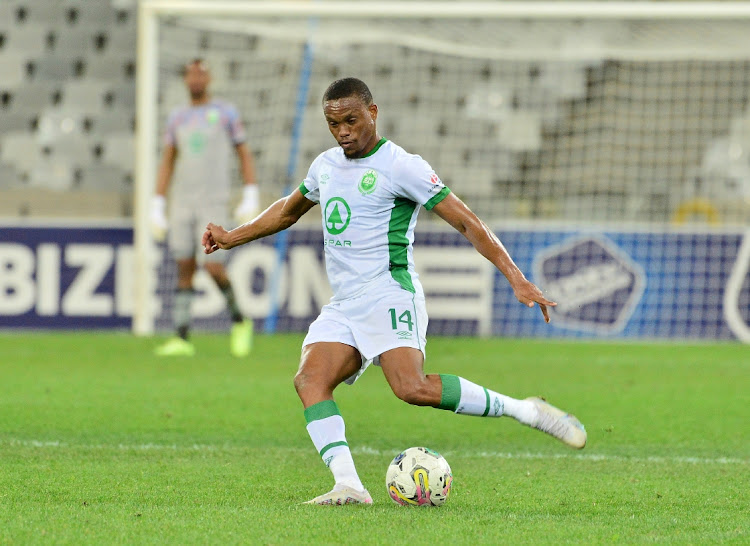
x,y
398,244
321,410
442,194
304,189
376,148
451,395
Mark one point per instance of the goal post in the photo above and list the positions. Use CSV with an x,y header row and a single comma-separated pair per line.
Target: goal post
x,y
555,116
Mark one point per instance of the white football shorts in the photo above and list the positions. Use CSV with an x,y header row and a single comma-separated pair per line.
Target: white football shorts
x,y
187,225
385,317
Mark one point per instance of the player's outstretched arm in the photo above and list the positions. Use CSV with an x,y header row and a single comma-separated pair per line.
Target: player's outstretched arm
x,y
457,214
282,214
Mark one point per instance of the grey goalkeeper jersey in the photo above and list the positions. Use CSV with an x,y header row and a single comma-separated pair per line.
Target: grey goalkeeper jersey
x,y
204,137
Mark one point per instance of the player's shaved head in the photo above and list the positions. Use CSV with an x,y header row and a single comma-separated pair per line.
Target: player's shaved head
x,y
197,78
198,63
348,87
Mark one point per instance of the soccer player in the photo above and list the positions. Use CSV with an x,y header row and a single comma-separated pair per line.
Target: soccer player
x,y
370,191
197,146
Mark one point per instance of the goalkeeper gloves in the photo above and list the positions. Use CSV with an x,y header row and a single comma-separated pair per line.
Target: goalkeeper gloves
x,y
159,217
248,208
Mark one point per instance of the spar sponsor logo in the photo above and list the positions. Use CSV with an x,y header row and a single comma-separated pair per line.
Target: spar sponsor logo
x,y
595,283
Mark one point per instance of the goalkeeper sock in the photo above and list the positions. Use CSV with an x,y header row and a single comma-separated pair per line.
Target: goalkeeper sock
x,y
181,317
462,396
326,428
234,309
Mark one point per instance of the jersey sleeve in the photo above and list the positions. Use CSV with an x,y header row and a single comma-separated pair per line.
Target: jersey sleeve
x,y
416,180
170,134
234,126
310,187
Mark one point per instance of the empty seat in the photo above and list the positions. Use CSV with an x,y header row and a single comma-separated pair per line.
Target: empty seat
x,y
28,39
43,13
12,122
91,14
12,70
120,39
34,97
51,172
56,67
116,67
75,148
119,150
86,94
9,177
73,41
19,148
107,178
111,122
57,123
124,97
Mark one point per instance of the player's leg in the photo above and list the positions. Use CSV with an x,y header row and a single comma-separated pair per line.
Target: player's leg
x,y
241,337
403,369
180,344
324,366
182,247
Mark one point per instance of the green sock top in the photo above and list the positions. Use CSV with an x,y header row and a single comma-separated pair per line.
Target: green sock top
x,y
321,410
451,395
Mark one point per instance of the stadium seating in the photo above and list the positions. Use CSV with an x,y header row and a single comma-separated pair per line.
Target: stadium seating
x,y
521,130
66,85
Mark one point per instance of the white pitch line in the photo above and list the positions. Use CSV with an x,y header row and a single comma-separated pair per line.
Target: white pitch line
x,y
366,450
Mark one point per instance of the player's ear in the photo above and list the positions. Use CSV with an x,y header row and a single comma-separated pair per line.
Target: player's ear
x,y
373,108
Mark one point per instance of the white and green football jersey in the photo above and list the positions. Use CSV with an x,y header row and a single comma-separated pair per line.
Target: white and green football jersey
x,y
369,208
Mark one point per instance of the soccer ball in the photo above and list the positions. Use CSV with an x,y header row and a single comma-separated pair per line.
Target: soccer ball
x,y
419,476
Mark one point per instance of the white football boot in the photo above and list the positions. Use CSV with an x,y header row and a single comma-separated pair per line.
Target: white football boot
x,y
555,422
342,495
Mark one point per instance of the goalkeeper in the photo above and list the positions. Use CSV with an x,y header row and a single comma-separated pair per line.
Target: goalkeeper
x,y
197,147
370,192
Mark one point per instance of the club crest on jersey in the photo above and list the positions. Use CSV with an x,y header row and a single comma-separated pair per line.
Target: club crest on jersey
x,y
368,182
212,115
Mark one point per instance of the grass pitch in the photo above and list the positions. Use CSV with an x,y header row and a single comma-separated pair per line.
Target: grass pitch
x,y
103,443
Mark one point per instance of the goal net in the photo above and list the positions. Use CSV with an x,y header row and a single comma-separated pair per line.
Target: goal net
x,y
574,116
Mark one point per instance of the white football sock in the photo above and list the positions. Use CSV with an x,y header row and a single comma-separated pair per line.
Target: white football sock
x,y
468,398
327,431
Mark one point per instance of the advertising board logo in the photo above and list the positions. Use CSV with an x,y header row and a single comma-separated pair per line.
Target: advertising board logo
x,y
595,284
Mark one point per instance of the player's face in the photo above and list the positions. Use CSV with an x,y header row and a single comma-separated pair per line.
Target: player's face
x,y
352,124
197,79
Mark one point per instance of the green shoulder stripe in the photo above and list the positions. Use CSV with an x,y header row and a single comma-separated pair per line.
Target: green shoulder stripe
x,y
442,194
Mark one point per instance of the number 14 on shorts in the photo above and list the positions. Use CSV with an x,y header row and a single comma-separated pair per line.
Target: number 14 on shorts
x,y
402,324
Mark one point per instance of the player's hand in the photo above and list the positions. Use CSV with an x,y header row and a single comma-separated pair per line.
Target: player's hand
x,y
248,208
528,293
215,238
158,217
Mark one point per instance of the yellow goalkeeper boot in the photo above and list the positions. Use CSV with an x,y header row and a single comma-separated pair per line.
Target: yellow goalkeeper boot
x,y
241,338
555,422
175,346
